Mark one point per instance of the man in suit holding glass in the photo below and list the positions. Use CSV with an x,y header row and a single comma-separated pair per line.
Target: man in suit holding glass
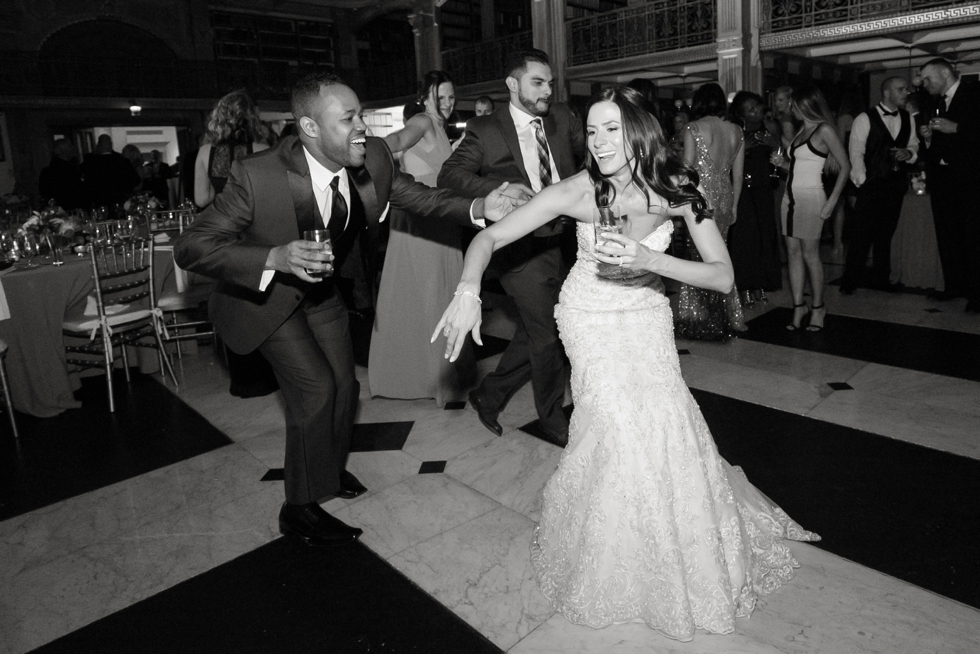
x,y
531,143
952,138
272,296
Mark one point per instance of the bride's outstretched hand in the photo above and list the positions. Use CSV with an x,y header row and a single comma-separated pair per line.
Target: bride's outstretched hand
x,y
461,316
620,250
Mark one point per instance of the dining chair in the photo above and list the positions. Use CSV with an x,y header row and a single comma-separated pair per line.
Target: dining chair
x,y
6,387
189,299
125,311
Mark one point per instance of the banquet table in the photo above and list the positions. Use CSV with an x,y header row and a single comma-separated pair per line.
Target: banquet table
x,y
38,300
915,255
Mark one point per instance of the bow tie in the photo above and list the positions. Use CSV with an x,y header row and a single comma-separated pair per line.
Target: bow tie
x,y
889,113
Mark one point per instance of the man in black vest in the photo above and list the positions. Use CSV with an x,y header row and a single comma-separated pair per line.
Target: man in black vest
x,y
883,142
952,139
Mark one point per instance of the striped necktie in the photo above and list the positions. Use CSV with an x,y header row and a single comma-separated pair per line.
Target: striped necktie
x,y
544,161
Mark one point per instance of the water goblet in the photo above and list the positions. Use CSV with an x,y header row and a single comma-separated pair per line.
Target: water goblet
x,y
125,230
319,236
101,234
28,247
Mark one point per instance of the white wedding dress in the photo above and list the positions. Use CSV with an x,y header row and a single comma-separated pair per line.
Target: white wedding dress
x,y
643,520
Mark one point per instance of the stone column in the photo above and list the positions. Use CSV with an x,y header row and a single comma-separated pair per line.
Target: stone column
x,y
739,64
428,41
548,34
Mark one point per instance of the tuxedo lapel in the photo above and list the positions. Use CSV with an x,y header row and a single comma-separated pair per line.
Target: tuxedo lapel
x,y
301,188
509,131
363,184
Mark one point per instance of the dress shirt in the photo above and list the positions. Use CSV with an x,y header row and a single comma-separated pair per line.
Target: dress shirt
x,y
950,93
523,121
321,177
859,139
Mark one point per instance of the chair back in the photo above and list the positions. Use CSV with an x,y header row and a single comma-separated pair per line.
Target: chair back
x,y
123,273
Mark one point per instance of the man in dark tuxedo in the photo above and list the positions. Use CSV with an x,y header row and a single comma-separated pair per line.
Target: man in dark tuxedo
x,y
272,294
531,143
952,138
883,141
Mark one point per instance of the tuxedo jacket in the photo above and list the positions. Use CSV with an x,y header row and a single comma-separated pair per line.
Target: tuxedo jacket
x,y
959,150
267,202
490,154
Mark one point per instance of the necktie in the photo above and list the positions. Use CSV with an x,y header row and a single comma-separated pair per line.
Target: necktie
x,y
544,161
942,105
889,113
338,210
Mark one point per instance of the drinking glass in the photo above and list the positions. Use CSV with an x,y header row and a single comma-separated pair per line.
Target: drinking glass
x,y
125,230
56,242
28,247
611,221
319,236
8,247
101,234
777,159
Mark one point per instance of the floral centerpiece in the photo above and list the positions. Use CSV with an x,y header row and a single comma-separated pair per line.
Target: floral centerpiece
x,y
51,221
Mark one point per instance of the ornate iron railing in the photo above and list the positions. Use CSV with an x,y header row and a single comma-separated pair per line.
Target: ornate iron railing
x,y
788,15
640,29
484,61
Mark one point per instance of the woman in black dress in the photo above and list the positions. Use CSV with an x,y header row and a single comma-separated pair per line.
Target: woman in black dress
x,y
753,241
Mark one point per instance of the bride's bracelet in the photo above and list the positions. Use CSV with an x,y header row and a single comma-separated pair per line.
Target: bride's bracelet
x,y
469,294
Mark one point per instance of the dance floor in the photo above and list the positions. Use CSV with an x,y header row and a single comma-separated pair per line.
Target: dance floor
x,y
865,433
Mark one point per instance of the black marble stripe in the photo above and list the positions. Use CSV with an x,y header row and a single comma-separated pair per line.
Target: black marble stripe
x,y
89,448
937,351
285,597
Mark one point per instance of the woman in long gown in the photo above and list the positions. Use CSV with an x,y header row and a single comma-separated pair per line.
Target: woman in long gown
x,y
234,131
422,263
643,520
713,147
753,241
806,205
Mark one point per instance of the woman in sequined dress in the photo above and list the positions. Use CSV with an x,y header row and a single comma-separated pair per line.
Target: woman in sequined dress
x,y
643,520
713,147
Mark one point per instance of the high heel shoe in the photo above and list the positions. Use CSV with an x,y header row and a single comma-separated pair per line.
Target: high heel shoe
x,y
798,323
814,326
747,301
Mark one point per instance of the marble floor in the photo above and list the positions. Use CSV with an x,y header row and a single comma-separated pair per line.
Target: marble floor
x,y
463,534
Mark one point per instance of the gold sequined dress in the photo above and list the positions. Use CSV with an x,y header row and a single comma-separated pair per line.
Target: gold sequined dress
x,y
643,520
703,314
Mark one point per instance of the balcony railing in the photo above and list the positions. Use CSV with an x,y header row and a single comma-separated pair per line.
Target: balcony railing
x,y
789,15
484,61
641,29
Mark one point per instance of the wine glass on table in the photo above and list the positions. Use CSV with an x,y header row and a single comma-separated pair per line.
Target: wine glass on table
x,y
28,248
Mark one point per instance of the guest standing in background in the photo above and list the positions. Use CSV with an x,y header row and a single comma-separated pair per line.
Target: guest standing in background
x,y
850,107
883,141
806,205
681,118
61,181
109,178
952,138
234,131
648,90
783,106
423,261
483,106
713,147
753,242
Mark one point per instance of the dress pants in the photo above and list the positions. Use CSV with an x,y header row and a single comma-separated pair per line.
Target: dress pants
x,y
535,354
955,196
876,213
313,360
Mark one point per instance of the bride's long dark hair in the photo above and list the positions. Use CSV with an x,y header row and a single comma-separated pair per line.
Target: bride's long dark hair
x,y
655,166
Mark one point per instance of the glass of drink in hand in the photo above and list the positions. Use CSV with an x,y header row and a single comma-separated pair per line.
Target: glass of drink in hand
x,y
610,221
319,236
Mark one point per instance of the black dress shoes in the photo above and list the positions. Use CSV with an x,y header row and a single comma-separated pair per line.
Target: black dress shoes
x,y
350,487
487,417
314,526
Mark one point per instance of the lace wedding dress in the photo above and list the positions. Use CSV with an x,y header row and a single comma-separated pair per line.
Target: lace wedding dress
x,y
643,520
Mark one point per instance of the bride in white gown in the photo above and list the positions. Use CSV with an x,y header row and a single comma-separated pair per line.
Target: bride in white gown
x,y
643,520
